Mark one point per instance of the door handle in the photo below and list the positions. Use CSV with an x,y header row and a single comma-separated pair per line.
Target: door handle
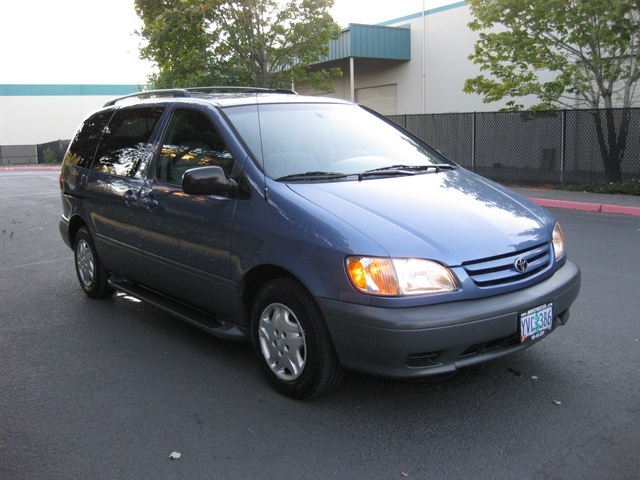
x,y
129,198
150,203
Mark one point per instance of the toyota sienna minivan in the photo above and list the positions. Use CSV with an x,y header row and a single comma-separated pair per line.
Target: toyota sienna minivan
x,y
318,230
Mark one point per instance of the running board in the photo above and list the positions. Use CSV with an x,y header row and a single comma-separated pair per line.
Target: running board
x,y
188,314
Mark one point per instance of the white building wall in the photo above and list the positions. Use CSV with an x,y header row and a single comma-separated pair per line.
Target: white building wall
x,y
448,46
27,120
433,80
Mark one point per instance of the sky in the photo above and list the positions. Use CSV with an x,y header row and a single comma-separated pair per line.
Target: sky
x,y
94,41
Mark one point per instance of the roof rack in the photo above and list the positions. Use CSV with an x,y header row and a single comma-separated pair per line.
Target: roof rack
x,y
175,93
233,89
187,92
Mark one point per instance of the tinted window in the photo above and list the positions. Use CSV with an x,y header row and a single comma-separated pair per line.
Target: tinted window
x,y
84,144
124,143
191,141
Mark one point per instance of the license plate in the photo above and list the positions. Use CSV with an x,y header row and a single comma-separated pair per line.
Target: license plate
x,y
536,323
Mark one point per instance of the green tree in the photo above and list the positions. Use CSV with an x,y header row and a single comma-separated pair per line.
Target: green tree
x,y
568,54
263,43
177,41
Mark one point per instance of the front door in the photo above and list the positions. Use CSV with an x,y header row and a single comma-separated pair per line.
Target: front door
x,y
186,238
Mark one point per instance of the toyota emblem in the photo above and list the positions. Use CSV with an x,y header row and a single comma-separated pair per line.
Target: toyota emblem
x,y
521,264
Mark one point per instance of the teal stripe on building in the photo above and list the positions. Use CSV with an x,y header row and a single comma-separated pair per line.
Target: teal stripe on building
x,y
46,90
433,11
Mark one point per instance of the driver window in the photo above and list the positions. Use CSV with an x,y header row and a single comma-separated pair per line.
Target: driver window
x,y
191,141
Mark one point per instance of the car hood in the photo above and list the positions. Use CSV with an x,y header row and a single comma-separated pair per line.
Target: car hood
x,y
450,216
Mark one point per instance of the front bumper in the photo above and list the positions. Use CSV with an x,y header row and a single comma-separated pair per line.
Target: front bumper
x,y
435,339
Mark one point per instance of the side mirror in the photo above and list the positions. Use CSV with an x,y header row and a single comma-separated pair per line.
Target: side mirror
x,y
208,181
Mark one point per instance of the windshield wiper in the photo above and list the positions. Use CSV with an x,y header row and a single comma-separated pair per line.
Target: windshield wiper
x,y
313,176
407,169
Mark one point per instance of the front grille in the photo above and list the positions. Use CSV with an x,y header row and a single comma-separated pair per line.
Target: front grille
x,y
501,270
421,360
437,359
498,344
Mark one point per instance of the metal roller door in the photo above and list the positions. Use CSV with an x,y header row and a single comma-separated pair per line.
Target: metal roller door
x,y
383,99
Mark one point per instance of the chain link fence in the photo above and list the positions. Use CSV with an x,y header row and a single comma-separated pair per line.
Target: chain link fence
x,y
52,152
528,148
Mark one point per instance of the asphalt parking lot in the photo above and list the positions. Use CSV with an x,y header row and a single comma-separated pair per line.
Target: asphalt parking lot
x,y
110,389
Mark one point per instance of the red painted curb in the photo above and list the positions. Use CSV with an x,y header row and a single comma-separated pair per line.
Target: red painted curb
x,y
621,210
568,205
28,169
587,207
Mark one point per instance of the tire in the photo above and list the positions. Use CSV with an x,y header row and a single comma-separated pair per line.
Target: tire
x,y
92,275
292,342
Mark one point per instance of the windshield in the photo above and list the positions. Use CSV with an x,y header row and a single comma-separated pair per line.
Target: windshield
x,y
327,141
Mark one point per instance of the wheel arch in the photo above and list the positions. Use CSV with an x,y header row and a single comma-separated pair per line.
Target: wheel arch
x,y
256,278
76,222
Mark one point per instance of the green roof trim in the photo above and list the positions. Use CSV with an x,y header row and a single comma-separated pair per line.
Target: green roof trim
x,y
371,41
382,41
50,90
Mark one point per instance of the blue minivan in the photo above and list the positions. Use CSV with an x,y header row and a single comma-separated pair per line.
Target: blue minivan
x,y
325,234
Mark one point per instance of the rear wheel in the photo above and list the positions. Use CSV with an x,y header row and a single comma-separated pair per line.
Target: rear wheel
x,y
292,341
91,273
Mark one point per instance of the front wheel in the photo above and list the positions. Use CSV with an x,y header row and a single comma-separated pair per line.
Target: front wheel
x,y
92,275
292,341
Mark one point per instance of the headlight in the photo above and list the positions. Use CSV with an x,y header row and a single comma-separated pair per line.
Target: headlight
x,y
400,276
558,241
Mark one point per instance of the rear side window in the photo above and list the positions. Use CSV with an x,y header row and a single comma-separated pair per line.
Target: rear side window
x,y
84,144
125,141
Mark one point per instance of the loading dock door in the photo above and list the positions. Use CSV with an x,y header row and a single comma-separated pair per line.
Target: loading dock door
x,y
383,99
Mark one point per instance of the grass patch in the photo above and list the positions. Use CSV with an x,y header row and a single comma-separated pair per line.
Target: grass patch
x,y
628,187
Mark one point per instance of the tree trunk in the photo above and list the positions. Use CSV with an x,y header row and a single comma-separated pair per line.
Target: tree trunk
x,y
612,140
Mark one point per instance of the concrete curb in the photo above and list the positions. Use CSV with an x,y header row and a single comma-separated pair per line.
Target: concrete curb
x,y
587,207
